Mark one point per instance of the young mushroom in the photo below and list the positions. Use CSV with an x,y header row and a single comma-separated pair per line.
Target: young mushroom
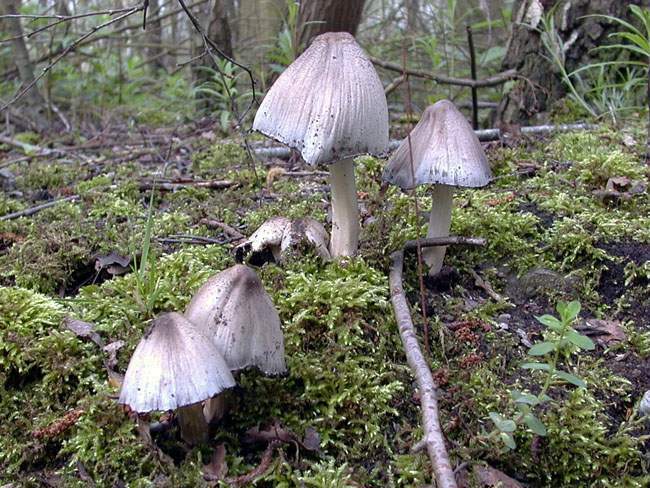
x,y
445,154
280,237
176,367
329,104
235,311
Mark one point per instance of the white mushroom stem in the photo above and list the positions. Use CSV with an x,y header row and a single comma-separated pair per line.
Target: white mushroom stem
x,y
345,210
214,408
442,199
194,428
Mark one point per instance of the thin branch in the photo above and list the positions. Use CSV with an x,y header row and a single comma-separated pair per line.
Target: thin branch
x,y
433,435
177,185
472,60
495,80
72,46
32,210
61,19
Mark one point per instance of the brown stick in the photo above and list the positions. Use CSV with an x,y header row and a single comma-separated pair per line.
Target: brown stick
x,y
433,436
177,185
497,79
32,210
227,229
472,60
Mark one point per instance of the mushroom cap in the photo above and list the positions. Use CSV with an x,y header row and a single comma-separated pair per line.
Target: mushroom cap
x,y
329,104
174,365
445,151
306,232
234,310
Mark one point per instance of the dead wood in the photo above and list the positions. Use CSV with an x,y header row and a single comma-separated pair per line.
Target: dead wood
x,y
32,210
433,437
179,184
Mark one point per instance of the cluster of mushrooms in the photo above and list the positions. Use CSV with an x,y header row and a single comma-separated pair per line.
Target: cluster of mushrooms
x,y
185,361
330,106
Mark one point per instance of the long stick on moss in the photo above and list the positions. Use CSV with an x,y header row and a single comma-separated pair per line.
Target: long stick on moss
x,y
433,436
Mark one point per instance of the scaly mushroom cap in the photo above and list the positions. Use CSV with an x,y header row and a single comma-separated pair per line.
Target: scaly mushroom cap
x,y
174,365
234,310
329,104
445,151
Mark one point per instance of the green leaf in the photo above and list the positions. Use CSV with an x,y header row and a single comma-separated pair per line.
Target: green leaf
x,y
541,348
502,424
539,366
568,311
550,321
508,440
534,424
568,377
582,341
528,399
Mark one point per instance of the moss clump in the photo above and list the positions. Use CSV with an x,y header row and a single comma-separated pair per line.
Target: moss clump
x,y
216,160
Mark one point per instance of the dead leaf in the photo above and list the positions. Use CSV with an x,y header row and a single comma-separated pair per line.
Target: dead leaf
x,y
113,263
605,332
217,468
490,477
276,432
83,329
311,441
111,350
628,140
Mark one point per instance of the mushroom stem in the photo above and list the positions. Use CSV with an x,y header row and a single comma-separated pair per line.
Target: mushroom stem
x,y
214,408
194,428
442,199
345,210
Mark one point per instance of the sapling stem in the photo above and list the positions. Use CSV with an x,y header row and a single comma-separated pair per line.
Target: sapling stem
x,y
194,428
345,210
442,199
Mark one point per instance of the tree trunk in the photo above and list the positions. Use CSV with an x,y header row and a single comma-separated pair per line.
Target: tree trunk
x,y
319,16
259,24
531,97
219,27
32,100
154,51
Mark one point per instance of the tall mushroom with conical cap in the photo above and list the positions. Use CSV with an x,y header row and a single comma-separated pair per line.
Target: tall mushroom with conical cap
x,y
446,154
176,367
234,310
329,104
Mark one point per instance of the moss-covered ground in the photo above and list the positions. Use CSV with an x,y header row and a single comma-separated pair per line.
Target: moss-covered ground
x,y
551,236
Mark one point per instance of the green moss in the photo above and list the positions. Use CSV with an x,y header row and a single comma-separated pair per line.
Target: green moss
x,y
216,160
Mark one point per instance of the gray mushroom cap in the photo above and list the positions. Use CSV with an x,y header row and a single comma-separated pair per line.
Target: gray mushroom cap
x,y
445,151
174,365
234,310
329,104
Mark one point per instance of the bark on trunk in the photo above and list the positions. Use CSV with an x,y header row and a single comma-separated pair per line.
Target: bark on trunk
x,y
318,16
259,24
540,84
154,50
32,100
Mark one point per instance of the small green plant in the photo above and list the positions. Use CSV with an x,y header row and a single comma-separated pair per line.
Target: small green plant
x,y
222,86
561,340
288,46
147,279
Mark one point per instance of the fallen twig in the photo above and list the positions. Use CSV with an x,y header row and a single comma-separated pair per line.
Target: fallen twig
x,y
433,437
227,229
32,210
484,135
177,185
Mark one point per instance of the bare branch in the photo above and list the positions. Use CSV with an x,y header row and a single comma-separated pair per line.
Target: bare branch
x,y
497,79
72,46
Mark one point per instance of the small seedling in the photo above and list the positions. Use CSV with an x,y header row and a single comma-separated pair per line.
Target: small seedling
x,y
562,339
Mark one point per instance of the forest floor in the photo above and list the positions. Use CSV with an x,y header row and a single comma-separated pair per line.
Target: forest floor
x,y
553,233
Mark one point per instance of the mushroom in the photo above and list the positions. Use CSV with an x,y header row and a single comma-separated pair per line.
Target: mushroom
x,y
446,154
234,310
267,238
280,237
329,104
176,367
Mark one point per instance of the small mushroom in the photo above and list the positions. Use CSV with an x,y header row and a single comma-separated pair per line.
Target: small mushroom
x,y
280,237
445,154
267,238
329,104
176,367
305,232
234,310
